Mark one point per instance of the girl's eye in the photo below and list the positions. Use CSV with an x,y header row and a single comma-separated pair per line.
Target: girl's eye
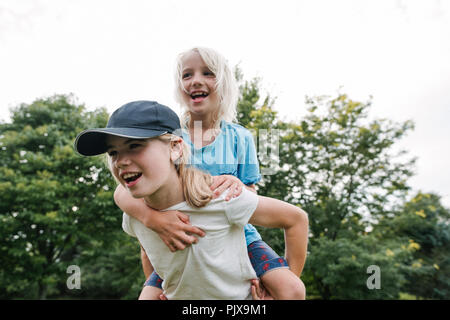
x,y
186,75
134,145
209,74
112,153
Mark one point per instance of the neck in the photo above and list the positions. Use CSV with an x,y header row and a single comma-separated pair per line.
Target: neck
x,y
205,122
167,195
201,131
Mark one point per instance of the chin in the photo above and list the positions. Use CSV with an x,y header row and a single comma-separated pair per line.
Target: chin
x,y
136,194
199,110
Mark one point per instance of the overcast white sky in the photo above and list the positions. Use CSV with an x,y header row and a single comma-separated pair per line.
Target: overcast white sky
x,y
111,52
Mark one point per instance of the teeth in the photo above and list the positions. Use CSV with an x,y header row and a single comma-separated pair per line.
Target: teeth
x,y
130,175
201,94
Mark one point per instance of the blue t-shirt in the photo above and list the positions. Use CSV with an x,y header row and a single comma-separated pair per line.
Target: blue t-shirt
x,y
232,152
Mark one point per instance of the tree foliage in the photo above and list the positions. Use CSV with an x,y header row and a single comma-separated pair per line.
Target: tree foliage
x,y
342,168
53,202
423,224
57,209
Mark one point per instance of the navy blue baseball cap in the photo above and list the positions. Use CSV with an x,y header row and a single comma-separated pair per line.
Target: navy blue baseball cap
x,y
134,120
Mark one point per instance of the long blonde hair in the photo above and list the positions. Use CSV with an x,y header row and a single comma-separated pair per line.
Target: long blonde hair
x,y
195,183
226,86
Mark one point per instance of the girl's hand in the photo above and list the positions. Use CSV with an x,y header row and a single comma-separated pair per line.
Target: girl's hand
x,y
175,229
163,297
224,182
259,292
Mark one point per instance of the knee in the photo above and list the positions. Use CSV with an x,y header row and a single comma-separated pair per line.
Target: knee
x,y
150,293
294,290
282,284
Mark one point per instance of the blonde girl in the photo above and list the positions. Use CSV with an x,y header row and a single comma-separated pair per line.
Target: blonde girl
x,y
207,91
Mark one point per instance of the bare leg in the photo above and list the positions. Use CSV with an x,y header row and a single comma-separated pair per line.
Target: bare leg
x,y
150,293
283,284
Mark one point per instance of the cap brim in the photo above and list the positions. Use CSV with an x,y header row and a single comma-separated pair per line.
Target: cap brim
x,y
92,142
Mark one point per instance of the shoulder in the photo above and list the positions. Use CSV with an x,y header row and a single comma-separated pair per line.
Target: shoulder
x,y
213,205
240,209
246,197
127,226
220,202
236,128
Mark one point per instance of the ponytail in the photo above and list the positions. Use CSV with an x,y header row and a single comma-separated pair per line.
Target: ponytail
x,y
196,183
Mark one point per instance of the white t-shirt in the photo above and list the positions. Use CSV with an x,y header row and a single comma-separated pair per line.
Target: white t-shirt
x,y
218,266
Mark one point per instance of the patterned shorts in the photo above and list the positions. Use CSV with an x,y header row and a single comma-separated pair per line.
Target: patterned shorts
x,y
262,257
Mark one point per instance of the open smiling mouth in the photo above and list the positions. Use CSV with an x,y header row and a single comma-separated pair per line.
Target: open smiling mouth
x,y
199,96
131,178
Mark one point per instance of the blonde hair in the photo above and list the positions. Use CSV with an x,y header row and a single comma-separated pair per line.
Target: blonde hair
x,y
226,86
195,183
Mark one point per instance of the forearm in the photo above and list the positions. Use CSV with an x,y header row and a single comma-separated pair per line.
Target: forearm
x,y
135,208
273,213
140,211
296,243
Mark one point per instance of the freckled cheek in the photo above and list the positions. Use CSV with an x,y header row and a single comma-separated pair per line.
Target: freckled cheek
x,y
155,176
212,83
157,166
186,97
185,86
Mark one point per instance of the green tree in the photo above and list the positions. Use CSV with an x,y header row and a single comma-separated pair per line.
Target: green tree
x,y
340,168
423,224
343,267
52,201
110,271
347,177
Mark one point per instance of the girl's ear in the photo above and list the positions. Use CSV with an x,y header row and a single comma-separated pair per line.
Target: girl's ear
x,y
176,151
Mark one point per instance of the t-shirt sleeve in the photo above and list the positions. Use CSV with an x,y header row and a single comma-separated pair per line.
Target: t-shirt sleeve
x,y
248,165
240,209
126,226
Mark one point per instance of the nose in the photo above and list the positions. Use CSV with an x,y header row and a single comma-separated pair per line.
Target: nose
x,y
197,79
121,161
